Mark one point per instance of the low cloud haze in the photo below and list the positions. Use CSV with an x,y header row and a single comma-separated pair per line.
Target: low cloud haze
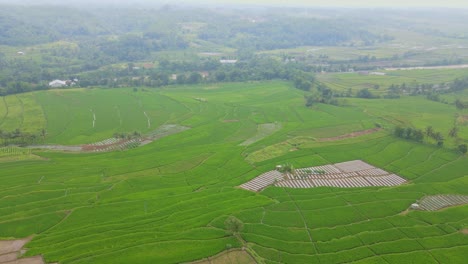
x,y
318,3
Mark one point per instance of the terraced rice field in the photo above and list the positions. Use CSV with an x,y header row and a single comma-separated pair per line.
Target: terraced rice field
x,y
11,154
263,131
351,174
114,144
167,201
437,202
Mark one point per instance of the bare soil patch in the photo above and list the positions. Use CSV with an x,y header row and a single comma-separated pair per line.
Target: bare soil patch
x,y
350,135
9,246
462,119
229,257
230,121
405,212
10,250
464,231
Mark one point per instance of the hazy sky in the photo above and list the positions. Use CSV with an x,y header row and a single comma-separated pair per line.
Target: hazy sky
x,y
354,3
320,3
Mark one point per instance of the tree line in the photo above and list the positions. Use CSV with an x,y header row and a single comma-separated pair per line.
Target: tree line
x,y
18,137
419,135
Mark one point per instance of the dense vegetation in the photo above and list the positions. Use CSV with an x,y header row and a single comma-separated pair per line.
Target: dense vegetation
x,y
116,47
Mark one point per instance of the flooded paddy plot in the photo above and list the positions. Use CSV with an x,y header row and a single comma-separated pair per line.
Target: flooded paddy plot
x,y
351,174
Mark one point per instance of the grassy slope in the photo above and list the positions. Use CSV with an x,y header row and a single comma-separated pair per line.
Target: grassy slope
x,y
166,202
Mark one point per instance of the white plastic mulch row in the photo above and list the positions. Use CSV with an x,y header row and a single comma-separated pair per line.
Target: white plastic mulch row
x,y
354,182
386,180
351,174
120,146
108,141
262,181
354,165
323,176
295,184
351,182
325,168
372,172
436,202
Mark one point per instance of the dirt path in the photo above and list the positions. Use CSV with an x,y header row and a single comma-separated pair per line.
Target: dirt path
x,y
350,135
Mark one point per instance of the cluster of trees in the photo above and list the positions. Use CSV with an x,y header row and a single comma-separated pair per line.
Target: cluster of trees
x,y
280,31
132,135
21,138
459,84
419,135
410,133
459,104
323,94
164,72
95,38
256,68
366,94
431,91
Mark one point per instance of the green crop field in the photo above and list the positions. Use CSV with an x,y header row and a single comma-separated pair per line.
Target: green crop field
x,y
356,81
167,201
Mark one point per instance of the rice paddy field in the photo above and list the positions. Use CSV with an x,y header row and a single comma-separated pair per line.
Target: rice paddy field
x,y
356,81
167,201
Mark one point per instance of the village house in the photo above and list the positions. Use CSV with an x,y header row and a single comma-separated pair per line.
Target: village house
x,y
228,61
57,83
204,74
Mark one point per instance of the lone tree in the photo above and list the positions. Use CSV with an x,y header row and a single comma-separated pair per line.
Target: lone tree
x,y
287,168
233,225
429,131
453,132
462,148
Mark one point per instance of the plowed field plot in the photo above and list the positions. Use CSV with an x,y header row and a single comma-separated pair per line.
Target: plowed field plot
x,y
351,174
11,249
437,202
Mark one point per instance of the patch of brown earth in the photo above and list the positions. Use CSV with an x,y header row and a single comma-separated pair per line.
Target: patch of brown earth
x,y
229,257
462,119
230,121
464,231
350,135
10,250
405,212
